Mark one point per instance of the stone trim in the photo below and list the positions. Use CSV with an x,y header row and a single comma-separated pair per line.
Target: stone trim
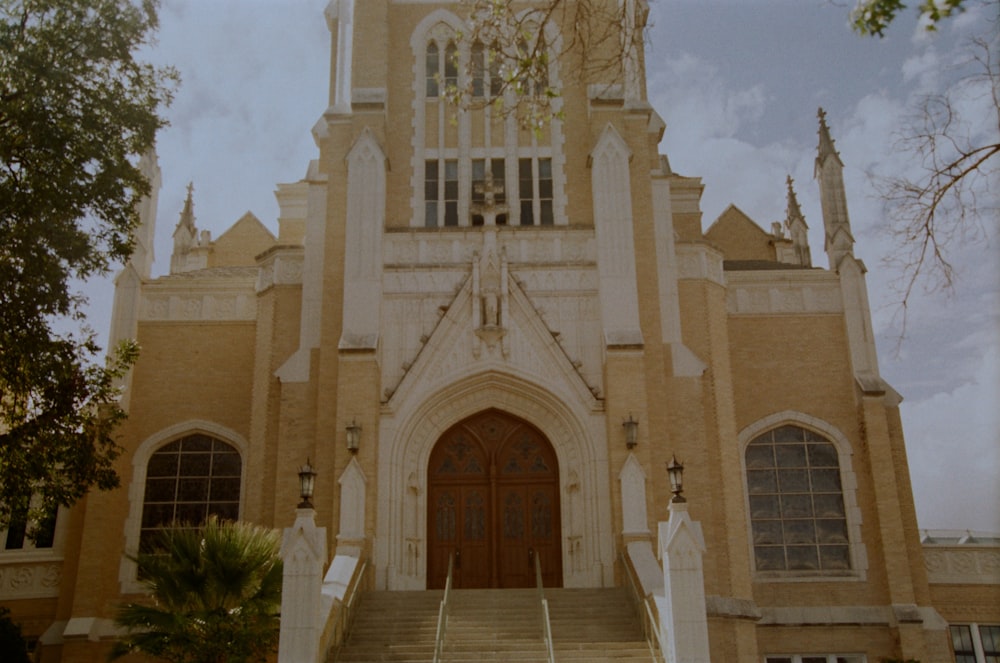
x,y
781,292
30,580
281,266
962,565
527,245
408,432
208,298
730,607
699,262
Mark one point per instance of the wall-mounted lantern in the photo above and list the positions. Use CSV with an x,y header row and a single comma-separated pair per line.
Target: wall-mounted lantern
x,y
675,471
353,437
631,427
307,484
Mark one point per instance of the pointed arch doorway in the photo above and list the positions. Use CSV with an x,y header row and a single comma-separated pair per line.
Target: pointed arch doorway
x,y
493,500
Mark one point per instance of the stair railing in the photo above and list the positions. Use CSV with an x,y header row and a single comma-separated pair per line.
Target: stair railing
x,y
339,622
645,610
546,623
443,611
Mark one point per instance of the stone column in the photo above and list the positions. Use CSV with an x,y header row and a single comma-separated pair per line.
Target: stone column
x,y
303,549
683,618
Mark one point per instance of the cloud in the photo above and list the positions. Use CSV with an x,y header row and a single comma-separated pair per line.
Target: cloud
x,y
952,487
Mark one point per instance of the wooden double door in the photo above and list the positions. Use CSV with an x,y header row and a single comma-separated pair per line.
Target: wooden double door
x,y
493,502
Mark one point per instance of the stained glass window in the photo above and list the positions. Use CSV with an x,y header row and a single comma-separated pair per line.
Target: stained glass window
x,y
797,513
187,481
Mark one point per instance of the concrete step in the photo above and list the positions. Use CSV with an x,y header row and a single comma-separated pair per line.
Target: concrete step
x,y
588,626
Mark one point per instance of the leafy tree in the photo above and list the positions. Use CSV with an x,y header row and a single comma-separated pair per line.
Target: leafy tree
x,y
77,109
216,596
872,17
12,644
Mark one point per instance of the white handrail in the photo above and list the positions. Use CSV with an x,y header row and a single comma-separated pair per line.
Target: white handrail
x,y
443,613
546,624
650,624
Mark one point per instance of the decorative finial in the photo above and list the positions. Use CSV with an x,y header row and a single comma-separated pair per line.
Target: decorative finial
x,y
826,147
792,211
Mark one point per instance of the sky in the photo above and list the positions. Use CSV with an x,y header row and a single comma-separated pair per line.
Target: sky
x,y
738,83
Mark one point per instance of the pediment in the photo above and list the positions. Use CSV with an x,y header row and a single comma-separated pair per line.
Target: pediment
x,y
522,346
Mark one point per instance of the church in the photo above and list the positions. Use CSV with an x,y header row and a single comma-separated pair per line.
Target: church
x,y
489,342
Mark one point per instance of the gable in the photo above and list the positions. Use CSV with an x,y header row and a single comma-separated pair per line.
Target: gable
x,y
242,243
739,238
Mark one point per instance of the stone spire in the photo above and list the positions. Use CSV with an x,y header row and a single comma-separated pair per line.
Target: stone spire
x,y
798,231
829,171
185,234
142,252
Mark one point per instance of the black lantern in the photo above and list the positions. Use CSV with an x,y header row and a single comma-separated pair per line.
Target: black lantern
x,y
353,437
631,427
675,471
307,484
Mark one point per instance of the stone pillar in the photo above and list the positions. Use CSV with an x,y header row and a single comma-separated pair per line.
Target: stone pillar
x,y
303,549
683,618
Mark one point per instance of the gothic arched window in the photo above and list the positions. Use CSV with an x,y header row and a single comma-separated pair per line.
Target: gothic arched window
x,y
187,481
433,69
797,514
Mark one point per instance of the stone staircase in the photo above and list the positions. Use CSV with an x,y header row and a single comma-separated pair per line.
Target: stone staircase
x,y
588,626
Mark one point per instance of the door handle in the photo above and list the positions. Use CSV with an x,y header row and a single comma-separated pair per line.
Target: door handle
x,y
458,559
531,556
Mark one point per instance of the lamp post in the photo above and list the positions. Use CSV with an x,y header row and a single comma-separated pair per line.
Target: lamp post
x,y
675,470
631,427
307,484
353,437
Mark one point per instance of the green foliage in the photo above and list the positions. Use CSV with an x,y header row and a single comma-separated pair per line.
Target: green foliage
x,y
216,596
12,644
872,17
76,112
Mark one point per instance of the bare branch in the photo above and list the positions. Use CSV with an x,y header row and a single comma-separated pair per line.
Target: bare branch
x,y
946,203
596,41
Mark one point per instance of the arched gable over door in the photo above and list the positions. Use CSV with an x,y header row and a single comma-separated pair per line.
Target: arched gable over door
x,y
493,501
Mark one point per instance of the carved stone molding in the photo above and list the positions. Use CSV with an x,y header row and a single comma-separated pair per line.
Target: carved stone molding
x,y
962,565
280,268
30,580
779,292
699,261
195,306
523,245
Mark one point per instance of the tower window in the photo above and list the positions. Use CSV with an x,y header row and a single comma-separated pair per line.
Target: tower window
x,y
797,514
535,189
450,67
478,70
440,193
433,70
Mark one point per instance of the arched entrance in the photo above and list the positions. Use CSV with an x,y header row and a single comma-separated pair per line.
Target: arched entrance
x,y
493,500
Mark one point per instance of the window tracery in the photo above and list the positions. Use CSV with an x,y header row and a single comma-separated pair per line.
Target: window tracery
x,y
799,517
187,481
458,147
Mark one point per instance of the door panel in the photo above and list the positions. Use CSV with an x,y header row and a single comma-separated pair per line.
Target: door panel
x,y
493,499
516,569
